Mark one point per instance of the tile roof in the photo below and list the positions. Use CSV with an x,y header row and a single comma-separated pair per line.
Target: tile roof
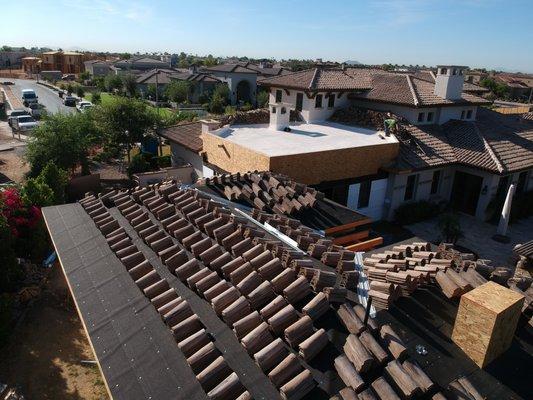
x,y
187,134
232,68
322,79
494,142
165,76
411,89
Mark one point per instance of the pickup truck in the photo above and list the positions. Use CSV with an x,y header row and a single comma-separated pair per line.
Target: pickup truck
x,y
14,114
24,123
29,97
83,105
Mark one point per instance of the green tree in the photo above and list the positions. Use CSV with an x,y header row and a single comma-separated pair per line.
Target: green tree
x,y
210,61
125,121
129,83
85,75
219,99
56,179
37,192
112,82
6,48
178,91
63,139
125,56
80,91
262,99
96,98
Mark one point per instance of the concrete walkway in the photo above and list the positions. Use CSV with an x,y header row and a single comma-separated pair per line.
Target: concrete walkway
x,y
478,237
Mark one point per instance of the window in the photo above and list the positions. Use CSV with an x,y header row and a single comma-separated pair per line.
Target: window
x,y
522,180
443,71
410,188
364,194
469,114
455,71
318,101
463,114
279,96
331,100
273,110
502,186
283,110
430,116
420,117
299,101
435,182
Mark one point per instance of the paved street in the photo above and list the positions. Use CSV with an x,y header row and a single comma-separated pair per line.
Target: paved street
x,y
47,97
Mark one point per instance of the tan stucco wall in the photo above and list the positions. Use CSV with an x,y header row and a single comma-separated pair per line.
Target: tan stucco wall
x,y
313,168
232,157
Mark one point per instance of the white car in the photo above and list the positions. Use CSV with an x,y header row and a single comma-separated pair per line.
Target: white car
x,y
29,97
24,123
84,105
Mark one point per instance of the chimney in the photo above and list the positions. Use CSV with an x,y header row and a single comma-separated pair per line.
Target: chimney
x,y
209,125
279,116
449,81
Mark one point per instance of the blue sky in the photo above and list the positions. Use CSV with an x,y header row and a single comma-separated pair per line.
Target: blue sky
x,y
489,33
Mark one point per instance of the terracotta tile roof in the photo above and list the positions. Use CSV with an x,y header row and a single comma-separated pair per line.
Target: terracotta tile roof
x,y
187,134
411,89
322,79
494,142
235,68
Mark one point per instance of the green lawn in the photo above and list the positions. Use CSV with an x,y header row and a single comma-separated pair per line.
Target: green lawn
x,y
107,98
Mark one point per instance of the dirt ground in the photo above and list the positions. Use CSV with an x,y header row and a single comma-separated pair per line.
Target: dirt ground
x,y
43,358
12,165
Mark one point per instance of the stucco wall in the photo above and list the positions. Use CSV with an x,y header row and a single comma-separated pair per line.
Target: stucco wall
x,y
180,155
309,112
233,79
378,191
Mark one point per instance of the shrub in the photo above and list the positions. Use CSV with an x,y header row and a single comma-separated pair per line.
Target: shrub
x,y
230,110
96,98
450,228
139,163
163,161
37,192
246,107
409,213
262,99
80,92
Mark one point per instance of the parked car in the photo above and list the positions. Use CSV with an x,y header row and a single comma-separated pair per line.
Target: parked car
x,y
37,110
7,83
69,101
29,97
84,105
14,114
24,123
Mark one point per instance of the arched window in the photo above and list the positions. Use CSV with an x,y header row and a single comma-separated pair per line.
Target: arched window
x,y
273,110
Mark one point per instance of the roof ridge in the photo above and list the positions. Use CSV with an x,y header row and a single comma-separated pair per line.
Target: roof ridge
x,y
314,78
492,155
412,89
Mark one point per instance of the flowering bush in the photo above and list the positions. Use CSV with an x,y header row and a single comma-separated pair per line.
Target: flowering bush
x,y
19,217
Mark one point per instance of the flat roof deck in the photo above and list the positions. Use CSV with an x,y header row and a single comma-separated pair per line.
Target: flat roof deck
x,y
303,138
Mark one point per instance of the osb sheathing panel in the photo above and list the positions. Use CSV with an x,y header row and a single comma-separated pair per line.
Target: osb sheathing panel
x,y
486,322
232,157
316,167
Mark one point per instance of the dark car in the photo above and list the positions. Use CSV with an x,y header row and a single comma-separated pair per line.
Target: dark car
x,y
70,101
7,83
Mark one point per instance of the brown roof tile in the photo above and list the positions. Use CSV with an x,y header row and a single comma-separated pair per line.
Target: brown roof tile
x,y
187,134
321,79
494,142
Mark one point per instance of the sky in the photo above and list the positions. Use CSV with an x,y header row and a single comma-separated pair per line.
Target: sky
x,y
495,34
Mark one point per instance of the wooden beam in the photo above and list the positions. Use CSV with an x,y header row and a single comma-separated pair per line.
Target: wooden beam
x,y
351,238
366,245
349,226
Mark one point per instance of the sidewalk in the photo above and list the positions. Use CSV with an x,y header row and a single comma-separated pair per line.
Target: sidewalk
x,y
478,237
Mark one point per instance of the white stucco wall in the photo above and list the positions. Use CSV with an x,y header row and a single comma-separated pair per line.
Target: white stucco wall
x,y
378,191
309,113
233,79
180,154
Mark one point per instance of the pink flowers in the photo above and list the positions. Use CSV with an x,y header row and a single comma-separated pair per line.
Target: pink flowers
x,y
19,216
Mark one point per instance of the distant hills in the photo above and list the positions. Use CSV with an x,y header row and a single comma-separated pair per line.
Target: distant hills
x,y
352,62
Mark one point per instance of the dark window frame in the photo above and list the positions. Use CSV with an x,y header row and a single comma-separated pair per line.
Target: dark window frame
x,y
463,114
421,116
430,115
279,96
331,100
299,101
410,187
435,182
469,114
363,199
318,101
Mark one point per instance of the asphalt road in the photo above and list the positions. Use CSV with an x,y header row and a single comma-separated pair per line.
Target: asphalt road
x,y
47,97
